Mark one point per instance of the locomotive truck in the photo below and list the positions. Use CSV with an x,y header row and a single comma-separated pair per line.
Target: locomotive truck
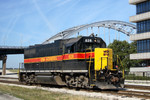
x,y
82,62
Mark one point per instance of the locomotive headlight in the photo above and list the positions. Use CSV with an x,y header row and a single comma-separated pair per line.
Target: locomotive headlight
x,y
119,71
101,71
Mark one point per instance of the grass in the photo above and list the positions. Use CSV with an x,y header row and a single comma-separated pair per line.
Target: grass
x,y
37,94
14,70
133,77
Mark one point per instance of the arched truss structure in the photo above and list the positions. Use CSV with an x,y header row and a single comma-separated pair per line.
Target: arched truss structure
x,y
120,26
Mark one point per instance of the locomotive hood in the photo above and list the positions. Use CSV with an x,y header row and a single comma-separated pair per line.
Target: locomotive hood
x,y
72,41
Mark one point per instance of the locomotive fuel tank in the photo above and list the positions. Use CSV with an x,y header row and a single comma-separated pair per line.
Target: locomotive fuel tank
x,y
55,80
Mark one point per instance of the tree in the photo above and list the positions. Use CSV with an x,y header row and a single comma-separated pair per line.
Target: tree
x,y
123,49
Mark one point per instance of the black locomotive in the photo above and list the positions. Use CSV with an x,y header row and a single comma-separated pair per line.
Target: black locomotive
x,y
75,62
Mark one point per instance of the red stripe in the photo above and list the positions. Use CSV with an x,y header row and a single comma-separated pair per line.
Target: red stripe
x,y
60,58
32,60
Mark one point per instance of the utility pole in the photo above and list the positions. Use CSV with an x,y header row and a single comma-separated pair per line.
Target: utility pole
x,y
92,29
118,35
98,31
109,35
104,33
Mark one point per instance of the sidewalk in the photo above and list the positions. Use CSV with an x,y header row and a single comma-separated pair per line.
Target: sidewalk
x,y
7,97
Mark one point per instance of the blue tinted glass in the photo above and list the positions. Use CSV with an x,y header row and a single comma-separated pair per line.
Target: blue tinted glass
x,y
137,46
143,7
146,30
148,5
143,26
143,46
148,25
137,25
147,45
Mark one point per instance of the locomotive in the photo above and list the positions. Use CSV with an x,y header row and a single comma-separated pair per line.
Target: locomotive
x,y
82,62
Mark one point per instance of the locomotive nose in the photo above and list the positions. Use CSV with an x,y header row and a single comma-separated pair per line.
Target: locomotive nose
x,y
103,58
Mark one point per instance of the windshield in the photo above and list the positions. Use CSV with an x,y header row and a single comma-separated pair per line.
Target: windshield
x,y
89,46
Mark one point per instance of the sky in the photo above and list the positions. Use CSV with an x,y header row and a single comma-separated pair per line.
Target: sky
x,y
29,22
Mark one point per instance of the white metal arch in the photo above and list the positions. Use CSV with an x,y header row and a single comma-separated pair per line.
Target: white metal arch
x,y
120,26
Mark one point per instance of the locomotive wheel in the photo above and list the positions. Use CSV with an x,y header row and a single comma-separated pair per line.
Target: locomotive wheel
x,y
78,81
23,79
31,79
27,79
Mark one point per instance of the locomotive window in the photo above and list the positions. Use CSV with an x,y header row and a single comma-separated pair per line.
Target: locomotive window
x,y
96,45
91,46
79,47
70,49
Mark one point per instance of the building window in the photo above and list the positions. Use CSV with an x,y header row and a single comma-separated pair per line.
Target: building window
x,y
145,63
143,7
143,26
143,46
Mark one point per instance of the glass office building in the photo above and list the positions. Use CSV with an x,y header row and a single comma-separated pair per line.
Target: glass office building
x,y
142,20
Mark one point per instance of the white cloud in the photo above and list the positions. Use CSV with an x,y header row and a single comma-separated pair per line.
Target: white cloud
x,y
50,26
63,2
10,27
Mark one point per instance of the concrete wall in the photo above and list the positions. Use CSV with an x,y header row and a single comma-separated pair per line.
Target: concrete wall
x,y
136,1
141,36
140,17
140,56
140,71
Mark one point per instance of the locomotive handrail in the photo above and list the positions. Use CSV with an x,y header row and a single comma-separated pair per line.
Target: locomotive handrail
x,y
89,61
118,58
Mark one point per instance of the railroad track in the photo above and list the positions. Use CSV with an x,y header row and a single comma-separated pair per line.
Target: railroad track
x,y
139,94
142,92
138,87
9,80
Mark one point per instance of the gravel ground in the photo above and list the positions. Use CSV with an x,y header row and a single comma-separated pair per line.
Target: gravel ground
x,y
105,96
